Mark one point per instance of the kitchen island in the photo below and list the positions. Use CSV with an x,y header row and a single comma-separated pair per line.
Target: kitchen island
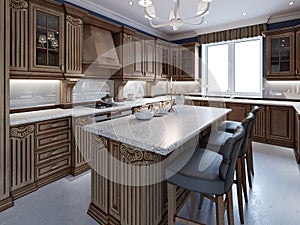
x,y
128,160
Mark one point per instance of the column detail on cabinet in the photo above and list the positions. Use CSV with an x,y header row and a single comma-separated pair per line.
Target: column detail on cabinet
x,y
22,160
74,37
19,35
81,155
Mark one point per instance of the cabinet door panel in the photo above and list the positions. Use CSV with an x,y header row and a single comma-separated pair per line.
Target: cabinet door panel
x,y
260,123
280,123
239,111
297,71
149,59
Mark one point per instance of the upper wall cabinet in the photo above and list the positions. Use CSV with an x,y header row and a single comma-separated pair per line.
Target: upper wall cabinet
x,y
19,35
179,61
281,61
46,39
137,55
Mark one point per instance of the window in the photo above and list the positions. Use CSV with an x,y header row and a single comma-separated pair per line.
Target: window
x,y
233,68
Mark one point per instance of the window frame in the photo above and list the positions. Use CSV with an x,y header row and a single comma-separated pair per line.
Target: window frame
x,y
231,69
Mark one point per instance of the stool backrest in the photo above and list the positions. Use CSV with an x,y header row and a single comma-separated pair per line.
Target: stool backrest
x,y
255,110
231,150
248,124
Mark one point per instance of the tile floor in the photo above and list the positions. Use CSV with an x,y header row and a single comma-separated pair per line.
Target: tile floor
x,y
273,200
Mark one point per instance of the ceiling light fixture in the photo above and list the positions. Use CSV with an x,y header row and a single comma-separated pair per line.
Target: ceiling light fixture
x,y
244,13
175,21
291,3
130,3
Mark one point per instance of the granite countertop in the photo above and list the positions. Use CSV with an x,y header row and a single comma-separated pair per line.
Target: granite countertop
x,y
161,135
295,104
42,115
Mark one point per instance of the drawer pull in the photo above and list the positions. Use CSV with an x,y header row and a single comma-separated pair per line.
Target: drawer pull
x,y
55,125
54,152
55,139
54,167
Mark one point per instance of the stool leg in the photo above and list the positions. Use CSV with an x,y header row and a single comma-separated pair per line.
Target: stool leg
x,y
171,203
244,185
239,188
220,210
249,159
230,208
193,203
251,156
201,201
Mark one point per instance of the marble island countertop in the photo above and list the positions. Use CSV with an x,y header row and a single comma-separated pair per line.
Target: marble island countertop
x,y
163,134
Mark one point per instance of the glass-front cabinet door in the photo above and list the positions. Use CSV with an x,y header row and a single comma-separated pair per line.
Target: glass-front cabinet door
x,y
297,71
47,52
280,54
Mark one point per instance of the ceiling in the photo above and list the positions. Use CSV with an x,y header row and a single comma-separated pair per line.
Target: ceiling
x,y
223,14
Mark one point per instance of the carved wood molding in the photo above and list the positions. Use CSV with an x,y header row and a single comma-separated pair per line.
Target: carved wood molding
x,y
18,4
127,37
99,142
74,21
81,121
21,132
137,155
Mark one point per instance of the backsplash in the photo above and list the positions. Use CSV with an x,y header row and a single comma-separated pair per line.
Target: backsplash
x,y
87,90
282,89
33,93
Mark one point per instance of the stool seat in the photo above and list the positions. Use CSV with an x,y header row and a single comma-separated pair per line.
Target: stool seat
x,y
229,126
202,170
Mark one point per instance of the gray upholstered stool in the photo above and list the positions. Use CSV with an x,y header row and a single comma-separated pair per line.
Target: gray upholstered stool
x,y
206,172
216,139
229,126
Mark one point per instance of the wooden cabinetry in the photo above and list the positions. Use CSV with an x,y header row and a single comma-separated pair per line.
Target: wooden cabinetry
x,y
74,39
280,125
162,59
282,54
46,39
22,160
259,133
19,26
53,150
81,155
238,111
137,55
297,137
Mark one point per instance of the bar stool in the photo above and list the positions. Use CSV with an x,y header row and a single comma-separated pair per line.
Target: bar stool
x,y
230,126
206,172
216,139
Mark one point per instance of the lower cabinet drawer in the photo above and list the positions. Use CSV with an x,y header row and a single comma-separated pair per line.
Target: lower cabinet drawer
x,y
48,169
53,139
55,152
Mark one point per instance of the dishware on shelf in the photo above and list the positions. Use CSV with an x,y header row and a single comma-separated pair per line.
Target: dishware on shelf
x,y
144,114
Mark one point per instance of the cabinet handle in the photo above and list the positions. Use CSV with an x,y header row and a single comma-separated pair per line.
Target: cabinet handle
x,y
55,125
54,167
296,71
62,68
55,139
54,152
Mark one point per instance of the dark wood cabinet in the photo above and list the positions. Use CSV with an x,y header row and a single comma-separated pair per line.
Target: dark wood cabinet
x,y
280,125
137,54
46,39
297,137
283,54
52,150
238,111
259,133
22,160
188,62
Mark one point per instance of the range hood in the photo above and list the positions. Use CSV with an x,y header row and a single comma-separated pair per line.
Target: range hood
x,y
99,48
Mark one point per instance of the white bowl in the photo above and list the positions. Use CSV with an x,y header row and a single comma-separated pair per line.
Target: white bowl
x,y
143,115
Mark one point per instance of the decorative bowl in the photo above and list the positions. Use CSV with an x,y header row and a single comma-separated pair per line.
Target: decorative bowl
x,y
144,114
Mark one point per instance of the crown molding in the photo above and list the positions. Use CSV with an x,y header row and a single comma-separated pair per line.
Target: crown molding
x,y
91,6
237,24
285,17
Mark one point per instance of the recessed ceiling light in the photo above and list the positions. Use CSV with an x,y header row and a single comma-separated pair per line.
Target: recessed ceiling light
x,y
291,3
130,3
205,22
244,13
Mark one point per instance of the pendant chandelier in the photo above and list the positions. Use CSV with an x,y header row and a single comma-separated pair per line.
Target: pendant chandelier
x,y
175,21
